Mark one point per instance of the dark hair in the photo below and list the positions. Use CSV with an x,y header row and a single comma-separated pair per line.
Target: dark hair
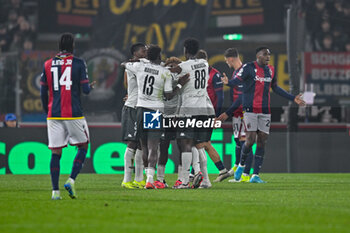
x,y
260,48
191,46
153,52
231,52
66,42
135,47
202,54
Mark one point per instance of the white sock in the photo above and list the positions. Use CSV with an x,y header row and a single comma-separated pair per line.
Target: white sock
x,y
186,164
160,172
128,157
57,192
241,165
71,180
195,160
203,162
179,172
138,166
150,173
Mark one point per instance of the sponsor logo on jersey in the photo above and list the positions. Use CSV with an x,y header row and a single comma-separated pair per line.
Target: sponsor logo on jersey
x,y
262,79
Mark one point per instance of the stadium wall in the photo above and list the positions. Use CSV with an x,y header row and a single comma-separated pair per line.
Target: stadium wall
x,y
321,148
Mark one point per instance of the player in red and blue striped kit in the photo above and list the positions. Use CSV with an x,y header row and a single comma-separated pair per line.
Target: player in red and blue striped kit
x,y
236,111
62,79
258,78
215,90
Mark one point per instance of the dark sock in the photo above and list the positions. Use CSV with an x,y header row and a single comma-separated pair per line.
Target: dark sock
x,y
78,163
192,171
245,152
248,163
220,165
238,151
55,170
259,158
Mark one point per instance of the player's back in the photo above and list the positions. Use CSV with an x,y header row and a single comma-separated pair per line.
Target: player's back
x,y
152,81
195,99
64,75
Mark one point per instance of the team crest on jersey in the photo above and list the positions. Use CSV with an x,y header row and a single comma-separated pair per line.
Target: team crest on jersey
x,y
270,72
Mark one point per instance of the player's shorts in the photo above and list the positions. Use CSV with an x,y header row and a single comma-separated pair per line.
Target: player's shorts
x,y
199,135
143,133
168,134
129,125
238,127
60,132
257,121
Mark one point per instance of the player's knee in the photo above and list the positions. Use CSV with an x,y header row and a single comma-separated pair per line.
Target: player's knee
x,y
261,140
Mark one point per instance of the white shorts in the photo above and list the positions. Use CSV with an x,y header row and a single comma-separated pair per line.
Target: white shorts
x,y
238,127
60,132
257,121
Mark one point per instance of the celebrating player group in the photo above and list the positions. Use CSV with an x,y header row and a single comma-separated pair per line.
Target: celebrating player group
x,y
185,91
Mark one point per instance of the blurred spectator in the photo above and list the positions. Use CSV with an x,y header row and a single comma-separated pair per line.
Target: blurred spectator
x,y
19,33
315,13
16,44
10,121
27,44
319,35
347,46
327,43
12,24
339,38
26,29
328,24
4,39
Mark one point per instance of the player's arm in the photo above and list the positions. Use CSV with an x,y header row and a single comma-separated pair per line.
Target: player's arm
x,y
219,92
84,79
279,91
44,91
243,74
235,105
133,67
168,94
125,80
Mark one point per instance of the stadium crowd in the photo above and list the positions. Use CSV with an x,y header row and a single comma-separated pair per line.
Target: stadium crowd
x,y
327,24
17,25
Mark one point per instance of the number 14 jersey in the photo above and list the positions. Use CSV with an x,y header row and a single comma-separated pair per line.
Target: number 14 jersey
x,y
64,74
152,81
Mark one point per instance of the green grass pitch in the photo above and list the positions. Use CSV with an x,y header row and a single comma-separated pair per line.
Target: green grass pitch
x,y
287,203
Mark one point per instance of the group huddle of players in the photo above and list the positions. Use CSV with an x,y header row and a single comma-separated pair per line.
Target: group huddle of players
x,y
193,89
188,89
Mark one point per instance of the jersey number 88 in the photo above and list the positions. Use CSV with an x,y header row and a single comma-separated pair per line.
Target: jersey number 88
x,y
199,79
